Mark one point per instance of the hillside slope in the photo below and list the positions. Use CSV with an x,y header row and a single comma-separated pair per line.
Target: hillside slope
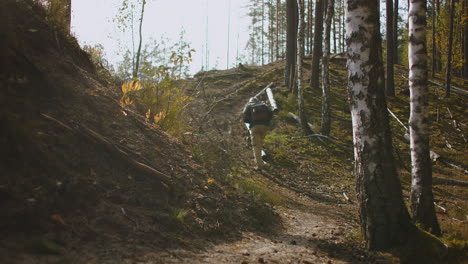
x,y
84,180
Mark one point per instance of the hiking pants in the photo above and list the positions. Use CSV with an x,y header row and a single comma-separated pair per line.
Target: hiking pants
x,y
258,134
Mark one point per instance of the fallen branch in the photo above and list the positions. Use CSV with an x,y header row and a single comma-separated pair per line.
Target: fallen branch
x,y
445,181
113,149
452,89
347,198
124,213
434,156
440,207
235,74
397,119
332,115
317,135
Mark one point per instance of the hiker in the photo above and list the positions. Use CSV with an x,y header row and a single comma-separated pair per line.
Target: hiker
x,y
258,115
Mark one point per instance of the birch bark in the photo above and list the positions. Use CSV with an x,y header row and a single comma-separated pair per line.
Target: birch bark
x,y
385,221
422,201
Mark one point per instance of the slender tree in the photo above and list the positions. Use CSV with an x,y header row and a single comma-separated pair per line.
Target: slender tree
x,y
396,56
434,64
278,5
310,24
291,39
390,88
326,120
422,201
300,51
448,74
385,221
317,51
465,39
140,41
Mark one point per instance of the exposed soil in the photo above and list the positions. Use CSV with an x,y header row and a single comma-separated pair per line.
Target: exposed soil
x,y
69,196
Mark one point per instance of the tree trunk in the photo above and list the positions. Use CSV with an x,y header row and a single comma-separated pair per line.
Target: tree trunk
x,y
317,51
385,221
278,5
448,74
334,34
434,49
326,119
291,39
137,60
422,201
390,87
300,51
465,41
396,56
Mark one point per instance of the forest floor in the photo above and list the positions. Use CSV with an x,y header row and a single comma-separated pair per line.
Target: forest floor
x,y
87,181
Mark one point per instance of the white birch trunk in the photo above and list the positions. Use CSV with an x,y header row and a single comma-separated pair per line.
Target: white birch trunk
x,y
422,202
385,222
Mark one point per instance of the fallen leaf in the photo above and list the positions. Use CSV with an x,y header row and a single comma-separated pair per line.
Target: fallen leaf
x,y
58,219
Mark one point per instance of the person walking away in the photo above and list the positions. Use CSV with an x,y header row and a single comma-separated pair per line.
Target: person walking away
x,y
258,115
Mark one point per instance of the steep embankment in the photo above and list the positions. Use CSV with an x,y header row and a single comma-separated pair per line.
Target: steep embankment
x,y
83,179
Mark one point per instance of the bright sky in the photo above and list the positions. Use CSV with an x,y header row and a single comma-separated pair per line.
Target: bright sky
x,y
92,23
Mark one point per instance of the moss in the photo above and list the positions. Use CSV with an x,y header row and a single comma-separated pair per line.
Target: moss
x,y
423,247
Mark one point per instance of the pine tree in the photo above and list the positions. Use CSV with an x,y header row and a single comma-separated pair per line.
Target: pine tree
x,y
326,120
317,52
291,39
390,88
300,51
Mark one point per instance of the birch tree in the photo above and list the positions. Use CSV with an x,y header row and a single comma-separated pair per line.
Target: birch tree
x,y
300,51
422,201
326,120
385,221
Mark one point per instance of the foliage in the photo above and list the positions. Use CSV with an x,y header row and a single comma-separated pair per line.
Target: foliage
x,y
280,143
254,187
442,35
157,95
180,214
128,88
98,57
57,13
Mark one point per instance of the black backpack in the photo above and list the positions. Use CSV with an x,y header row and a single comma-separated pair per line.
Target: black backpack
x,y
260,112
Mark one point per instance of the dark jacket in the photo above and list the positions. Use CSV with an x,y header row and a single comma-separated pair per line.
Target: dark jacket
x,y
248,116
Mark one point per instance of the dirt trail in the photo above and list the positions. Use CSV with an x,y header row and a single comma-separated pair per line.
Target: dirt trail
x,y
313,232
315,225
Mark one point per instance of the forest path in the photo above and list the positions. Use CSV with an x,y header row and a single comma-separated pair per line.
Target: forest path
x,y
313,232
318,224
